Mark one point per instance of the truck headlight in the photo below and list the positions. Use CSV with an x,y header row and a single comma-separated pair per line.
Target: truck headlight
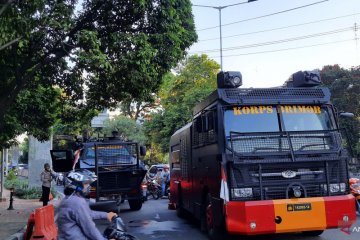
x,y
242,192
342,187
335,187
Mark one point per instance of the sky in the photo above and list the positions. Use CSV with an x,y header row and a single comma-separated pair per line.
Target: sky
x,y
268,49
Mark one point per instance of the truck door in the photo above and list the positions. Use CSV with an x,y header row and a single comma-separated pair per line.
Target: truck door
x,y
62,160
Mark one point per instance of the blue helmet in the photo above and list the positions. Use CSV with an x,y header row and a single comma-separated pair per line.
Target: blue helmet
x,y
76,179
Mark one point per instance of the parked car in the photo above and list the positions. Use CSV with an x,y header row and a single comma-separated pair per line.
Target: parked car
x,y
22,166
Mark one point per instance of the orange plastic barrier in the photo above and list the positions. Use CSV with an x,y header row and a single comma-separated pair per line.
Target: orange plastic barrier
x,y
43,223
29,227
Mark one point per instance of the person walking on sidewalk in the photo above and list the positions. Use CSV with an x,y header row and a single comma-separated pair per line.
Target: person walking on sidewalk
x,y
74,217
46,177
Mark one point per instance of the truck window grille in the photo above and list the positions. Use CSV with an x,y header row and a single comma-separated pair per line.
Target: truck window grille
x,y
184,162
291,144
116,153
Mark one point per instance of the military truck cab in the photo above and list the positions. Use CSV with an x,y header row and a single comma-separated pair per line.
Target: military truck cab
x,y
117,165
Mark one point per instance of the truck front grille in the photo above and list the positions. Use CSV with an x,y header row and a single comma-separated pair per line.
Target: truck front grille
x,y
270,181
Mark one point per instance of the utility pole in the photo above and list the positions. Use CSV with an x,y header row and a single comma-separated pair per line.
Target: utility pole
x,y
219,8
2,175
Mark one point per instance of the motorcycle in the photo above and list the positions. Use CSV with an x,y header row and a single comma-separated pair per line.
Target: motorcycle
x,y
355,191
153,188
117,230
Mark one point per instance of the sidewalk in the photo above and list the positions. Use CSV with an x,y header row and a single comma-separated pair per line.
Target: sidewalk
x,y
13,221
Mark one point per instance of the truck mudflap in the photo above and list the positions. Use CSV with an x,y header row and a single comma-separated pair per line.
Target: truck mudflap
x,y
290,215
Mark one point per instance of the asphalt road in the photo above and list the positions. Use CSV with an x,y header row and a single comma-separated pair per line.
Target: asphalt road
x,y
155,221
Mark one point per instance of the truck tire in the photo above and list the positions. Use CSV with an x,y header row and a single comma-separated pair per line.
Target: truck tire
x,y
207,222
180,212
135,204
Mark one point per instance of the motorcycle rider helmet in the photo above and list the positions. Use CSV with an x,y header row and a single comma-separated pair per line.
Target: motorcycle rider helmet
x,y
75,180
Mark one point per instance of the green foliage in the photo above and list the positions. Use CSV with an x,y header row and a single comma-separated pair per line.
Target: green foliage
x,y
344,85
154,155
34,112
22,189
195,80
50,51
11,175
127,129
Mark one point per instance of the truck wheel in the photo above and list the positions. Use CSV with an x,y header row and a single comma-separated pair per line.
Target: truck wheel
x,y
135,204
180,212
207,222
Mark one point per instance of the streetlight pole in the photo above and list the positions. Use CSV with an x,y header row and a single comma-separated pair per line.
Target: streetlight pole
x,y
219,8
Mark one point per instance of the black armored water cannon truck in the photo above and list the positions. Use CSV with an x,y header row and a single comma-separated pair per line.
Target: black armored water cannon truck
x,y
263,160
116,163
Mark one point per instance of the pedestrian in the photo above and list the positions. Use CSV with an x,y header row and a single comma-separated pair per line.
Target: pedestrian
x,y
74,217
78,150
164,179
46,177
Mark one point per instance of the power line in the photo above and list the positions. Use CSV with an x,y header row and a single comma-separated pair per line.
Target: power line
x,y
281,40
280,28
263,16
284,49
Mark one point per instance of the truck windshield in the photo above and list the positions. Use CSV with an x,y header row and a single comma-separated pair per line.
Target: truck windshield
x,y
246,119
306,118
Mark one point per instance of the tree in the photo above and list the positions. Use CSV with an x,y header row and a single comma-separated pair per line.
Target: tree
x,y
107,51
345,94
195,80
126,127
139,109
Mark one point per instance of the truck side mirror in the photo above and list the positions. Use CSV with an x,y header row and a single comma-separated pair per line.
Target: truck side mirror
x,y
346,115
142,150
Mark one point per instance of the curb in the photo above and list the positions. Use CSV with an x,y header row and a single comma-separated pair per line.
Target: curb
x,y
20,234
16,236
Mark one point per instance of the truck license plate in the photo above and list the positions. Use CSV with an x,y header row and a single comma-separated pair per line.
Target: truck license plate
x,y
299,207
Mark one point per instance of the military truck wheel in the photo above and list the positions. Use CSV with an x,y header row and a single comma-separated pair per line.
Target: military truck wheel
x,y
135,204
180,212
207,222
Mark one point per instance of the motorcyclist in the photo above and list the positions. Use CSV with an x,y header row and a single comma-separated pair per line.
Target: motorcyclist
x,y
74,217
